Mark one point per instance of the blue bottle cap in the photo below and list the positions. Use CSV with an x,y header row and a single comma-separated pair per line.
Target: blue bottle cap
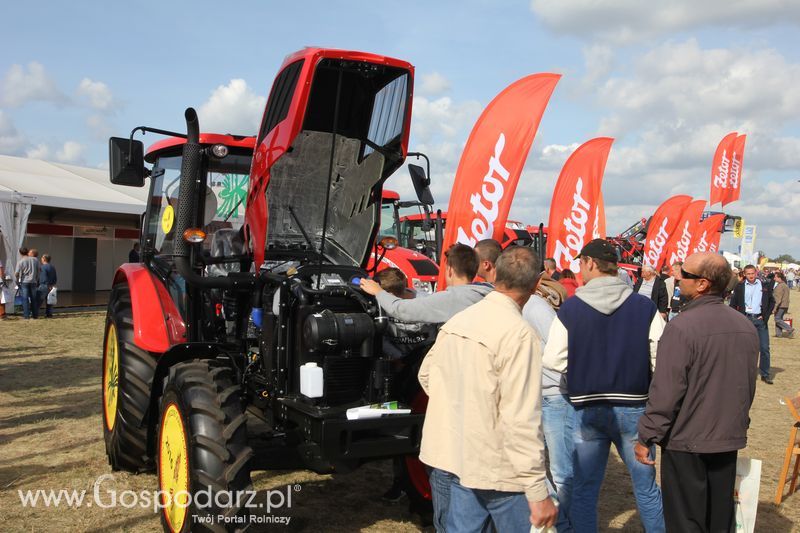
x,y
356,281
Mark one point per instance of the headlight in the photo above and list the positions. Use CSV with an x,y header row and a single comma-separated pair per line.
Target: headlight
x,y
423,288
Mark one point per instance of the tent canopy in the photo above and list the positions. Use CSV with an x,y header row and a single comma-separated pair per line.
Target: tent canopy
x,y
66,186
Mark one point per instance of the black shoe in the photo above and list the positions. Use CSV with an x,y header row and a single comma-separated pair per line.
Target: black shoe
x,y
393,495
766,380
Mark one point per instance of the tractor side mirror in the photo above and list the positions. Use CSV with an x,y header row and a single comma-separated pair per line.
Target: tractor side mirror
x,y
421,184
126,159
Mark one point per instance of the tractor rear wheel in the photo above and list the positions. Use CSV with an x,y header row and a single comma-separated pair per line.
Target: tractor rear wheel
x,y
202,449
127,377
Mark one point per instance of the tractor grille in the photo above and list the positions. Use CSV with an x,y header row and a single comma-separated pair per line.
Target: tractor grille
x,y
424,267
345,378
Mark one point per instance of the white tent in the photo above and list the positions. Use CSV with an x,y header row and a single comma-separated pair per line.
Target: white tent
x,y
31,182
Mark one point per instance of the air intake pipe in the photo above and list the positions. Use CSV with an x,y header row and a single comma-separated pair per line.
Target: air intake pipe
x,y
191,180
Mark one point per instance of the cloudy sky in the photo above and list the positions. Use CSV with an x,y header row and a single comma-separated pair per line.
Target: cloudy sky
x,y
666,80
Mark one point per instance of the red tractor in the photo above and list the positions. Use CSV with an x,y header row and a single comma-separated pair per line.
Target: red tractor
x,y
419,269
418,231
242,339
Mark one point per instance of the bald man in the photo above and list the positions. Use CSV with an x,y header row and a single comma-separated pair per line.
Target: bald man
x,y
707,352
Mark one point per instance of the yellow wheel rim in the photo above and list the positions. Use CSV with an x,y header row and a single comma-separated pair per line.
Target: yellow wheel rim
x,y
173,468
110,377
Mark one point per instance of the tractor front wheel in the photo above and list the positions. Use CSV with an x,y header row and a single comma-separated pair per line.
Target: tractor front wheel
x,y
127,377
203,456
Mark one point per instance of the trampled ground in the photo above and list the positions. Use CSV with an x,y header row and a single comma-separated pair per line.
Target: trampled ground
x,y
51,438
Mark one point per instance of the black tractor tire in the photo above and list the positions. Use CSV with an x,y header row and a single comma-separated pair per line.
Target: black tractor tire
x,y
126,440
214,422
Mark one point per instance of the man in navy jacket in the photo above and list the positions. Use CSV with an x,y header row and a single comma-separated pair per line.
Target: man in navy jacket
x,y
605,339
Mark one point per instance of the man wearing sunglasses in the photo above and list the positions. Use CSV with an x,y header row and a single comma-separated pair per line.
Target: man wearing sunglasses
x,y
755,300
707,352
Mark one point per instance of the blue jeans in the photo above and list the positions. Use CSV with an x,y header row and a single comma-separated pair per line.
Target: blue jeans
x,y
763,341
596,427
441,482
472,510
558,424
30,299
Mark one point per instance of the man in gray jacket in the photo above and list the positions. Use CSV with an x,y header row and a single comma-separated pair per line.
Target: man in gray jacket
x,y
28,279
438,308
699,401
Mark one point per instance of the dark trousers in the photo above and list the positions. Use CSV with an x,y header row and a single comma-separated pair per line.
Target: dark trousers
x,y
763,341
697,491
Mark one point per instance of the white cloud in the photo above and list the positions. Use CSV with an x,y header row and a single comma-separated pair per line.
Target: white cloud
x,y
433,84
97,94
99,127
626,21
21,85
232,108
40,151
71,152
11,141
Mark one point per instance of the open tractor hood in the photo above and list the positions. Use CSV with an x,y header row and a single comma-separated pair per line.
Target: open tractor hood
x,y
347,114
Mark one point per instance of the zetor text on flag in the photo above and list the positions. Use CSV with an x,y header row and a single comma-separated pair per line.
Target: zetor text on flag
x,y
721,169
492,162
708,234
735,175
660,229
574,209
678,248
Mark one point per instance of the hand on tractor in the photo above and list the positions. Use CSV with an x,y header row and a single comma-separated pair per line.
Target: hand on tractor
x,y
370,286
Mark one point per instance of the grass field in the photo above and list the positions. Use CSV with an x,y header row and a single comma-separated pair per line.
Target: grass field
x,y
51,438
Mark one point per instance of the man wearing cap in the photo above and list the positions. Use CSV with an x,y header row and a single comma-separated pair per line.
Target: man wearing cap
x,y
605,340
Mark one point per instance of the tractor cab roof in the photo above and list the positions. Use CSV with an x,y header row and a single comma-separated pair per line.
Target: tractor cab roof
x,y
231,141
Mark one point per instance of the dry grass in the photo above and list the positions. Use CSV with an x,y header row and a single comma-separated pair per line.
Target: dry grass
x,y
51,438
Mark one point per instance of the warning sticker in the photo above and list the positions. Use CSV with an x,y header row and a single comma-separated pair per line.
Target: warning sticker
x,y
167,219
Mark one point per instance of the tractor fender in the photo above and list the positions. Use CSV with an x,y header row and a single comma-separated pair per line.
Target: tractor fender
x,y
157,324
175,354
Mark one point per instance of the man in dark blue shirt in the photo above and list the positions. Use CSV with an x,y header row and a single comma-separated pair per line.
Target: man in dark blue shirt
x,y
47,282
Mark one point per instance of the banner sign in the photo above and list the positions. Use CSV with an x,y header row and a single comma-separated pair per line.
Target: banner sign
x,y
735,176
748,243
576,207
492,162
679,246
721,168
660,229
708,234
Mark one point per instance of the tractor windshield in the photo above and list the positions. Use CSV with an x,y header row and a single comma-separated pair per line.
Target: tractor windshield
x,y
226,189
346,149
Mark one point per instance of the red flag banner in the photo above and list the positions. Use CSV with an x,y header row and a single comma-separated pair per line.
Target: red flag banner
x,y
721,168
574,207
660,228
492,162
680,243
708,234
735,176
599,230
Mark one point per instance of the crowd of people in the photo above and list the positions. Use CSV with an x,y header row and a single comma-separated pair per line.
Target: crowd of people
x,y
533,373
35,280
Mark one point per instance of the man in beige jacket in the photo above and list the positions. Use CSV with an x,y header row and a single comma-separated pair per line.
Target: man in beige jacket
x,y
483,423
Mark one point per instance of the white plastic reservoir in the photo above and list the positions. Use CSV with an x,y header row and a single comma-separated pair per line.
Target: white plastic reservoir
x,y
311,380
